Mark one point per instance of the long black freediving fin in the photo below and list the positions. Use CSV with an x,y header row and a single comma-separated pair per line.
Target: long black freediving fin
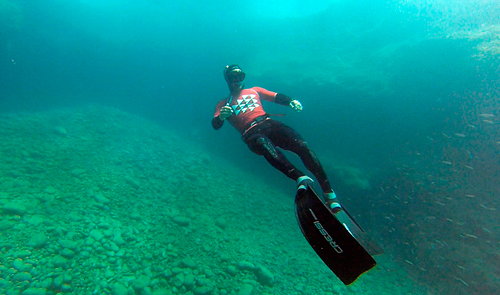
x,y
334,240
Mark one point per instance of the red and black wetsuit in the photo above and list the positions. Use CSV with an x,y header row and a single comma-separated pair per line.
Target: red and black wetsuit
x,y
264,135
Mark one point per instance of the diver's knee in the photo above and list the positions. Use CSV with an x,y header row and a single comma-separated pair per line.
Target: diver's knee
x,y
303,144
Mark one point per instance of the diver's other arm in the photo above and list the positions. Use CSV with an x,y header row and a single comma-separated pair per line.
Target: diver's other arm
x,y
296,105
286,100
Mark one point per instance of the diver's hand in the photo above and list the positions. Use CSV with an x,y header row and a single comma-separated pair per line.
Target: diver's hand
x,y
225,112
295,104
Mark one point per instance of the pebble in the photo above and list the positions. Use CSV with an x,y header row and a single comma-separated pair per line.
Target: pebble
x,y
19,265
189,262
141,282
77,172
96,234
34,291
108,273
59,261
14,208
6,224
67,253
182,220
68,244
245,265
119,289
246,289
99,198
58,281
22,276
264,276
37,241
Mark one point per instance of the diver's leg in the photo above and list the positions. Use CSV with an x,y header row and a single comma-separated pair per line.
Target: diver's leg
x,y
261,145
288,139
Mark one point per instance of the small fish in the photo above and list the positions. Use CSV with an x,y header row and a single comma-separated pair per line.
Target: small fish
x,y
488,208
446,162
470,196
462,281
460,135
488,121
486,115
469,167
471,236
446,135
439,203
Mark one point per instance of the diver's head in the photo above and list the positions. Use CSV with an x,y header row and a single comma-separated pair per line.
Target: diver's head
x,y
234,77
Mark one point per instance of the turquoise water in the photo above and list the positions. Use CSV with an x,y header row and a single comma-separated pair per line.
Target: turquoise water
x,y
112,180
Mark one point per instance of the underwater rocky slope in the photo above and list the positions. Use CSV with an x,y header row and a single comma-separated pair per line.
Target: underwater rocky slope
x,y
98,201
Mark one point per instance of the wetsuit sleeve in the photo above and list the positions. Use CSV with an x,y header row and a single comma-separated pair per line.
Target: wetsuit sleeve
x,y
216,122
273,96
282,99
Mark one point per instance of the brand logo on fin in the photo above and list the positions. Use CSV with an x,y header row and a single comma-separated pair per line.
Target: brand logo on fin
x,y
328,238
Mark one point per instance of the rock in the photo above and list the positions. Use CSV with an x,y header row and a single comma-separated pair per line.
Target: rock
x,y
68,244
21,254
167,273
67,253
204,290
6,224
37,241
60,130
99,198
108,274
245,265
182,220
19,265
104,225
50,190
264,276
189,281
46,283
77,172
163,292
34,291
5,284
231,270
21,277
59,261
96,234
58,281
189,262
246,289
14,208
117,239
119,289
141,282
221,222
35,220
